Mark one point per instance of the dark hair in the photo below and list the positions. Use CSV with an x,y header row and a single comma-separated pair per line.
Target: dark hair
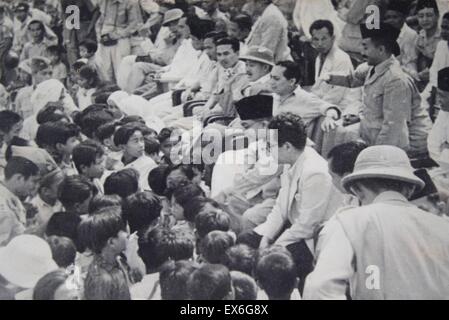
x,y
78,65
141,210
209,221
243,21
292,70
215,36
187,176
214,246
54,50
123,183
40,23
185,193
90,73
96,229
90,45
290,128
124,133
49,113
64,224
86,154
173,278
21,166
63,250
343,157
390,45
240,258
245,287
75,190
157,179
446,16
234,43
152,145
105,283
8,119
195,205
93,117
160,244
101,201
276,273
51,133
165,134
133,119
46,287
106,130
320,24
209,282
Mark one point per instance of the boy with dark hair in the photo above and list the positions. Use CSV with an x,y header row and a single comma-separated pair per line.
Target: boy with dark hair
x,y
63,251
167,140
123,183
89,160
153,149
10,127
210,282
64,224
105,135
240,258
179,199
21,178
141,210
59,139
276,275
214,245
59,69
75,193
173,279
245,287
130,139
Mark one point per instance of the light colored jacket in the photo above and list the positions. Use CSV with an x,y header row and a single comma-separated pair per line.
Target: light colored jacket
x,y
438,141
12,216
271,31
299,203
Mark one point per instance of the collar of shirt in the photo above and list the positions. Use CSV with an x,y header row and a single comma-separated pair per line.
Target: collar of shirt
x,y
262,80
297,164
389,196
384,65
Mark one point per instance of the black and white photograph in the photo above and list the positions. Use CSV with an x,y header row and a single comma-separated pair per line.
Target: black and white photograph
x,y
242,151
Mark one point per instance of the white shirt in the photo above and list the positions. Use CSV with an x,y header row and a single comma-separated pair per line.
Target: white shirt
x,y
439,135
184,60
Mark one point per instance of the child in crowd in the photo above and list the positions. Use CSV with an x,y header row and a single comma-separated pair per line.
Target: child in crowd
x,y
89,160
245,287
88,84
277,276
156,247
57,285
64,224
75,194
179,199
59,139
142,210
88,48
122,183
214,246
153,149
101,201
210,282
105,135
173,279
240,258
58,67
63,250
168,138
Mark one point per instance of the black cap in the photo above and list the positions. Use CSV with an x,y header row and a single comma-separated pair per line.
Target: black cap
x,y
255,107
443,79
201,27
422,4
401,6
385,32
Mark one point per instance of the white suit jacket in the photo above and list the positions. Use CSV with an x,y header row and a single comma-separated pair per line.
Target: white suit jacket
x,y
303,201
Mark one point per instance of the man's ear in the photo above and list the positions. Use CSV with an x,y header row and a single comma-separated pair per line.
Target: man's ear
x,y
59,147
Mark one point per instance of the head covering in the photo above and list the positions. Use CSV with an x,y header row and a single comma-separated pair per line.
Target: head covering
x,y
387,162
255,107
172,15
39,64
137,106
47,91
401,6
384,32
25,260
259,54
117,96
22,6
443,79
39,157
201,27
423,4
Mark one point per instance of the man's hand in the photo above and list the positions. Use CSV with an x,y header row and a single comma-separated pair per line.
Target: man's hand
x,y
329,122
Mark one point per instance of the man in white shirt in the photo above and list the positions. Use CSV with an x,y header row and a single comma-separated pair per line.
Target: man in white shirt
x,y
372,249
331,59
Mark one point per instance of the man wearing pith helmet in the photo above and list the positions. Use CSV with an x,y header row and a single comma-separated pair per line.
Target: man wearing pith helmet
x,y
387,248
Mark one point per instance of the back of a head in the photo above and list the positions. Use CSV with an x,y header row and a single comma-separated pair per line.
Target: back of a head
x,y
64,224
344,156
96,229
157,179
122,183
46,287
214,246
210,282
245,287
214,220
160,244
63,250
240,258
173,278
101,201
141,210
8,119
102,284
289,128
277,275
21,166
75,190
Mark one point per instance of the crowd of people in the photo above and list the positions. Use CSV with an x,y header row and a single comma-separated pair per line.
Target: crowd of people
x,y
224,149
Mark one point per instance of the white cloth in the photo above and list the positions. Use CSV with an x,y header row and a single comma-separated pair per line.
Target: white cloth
x,y
438,140
409,54
185,59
